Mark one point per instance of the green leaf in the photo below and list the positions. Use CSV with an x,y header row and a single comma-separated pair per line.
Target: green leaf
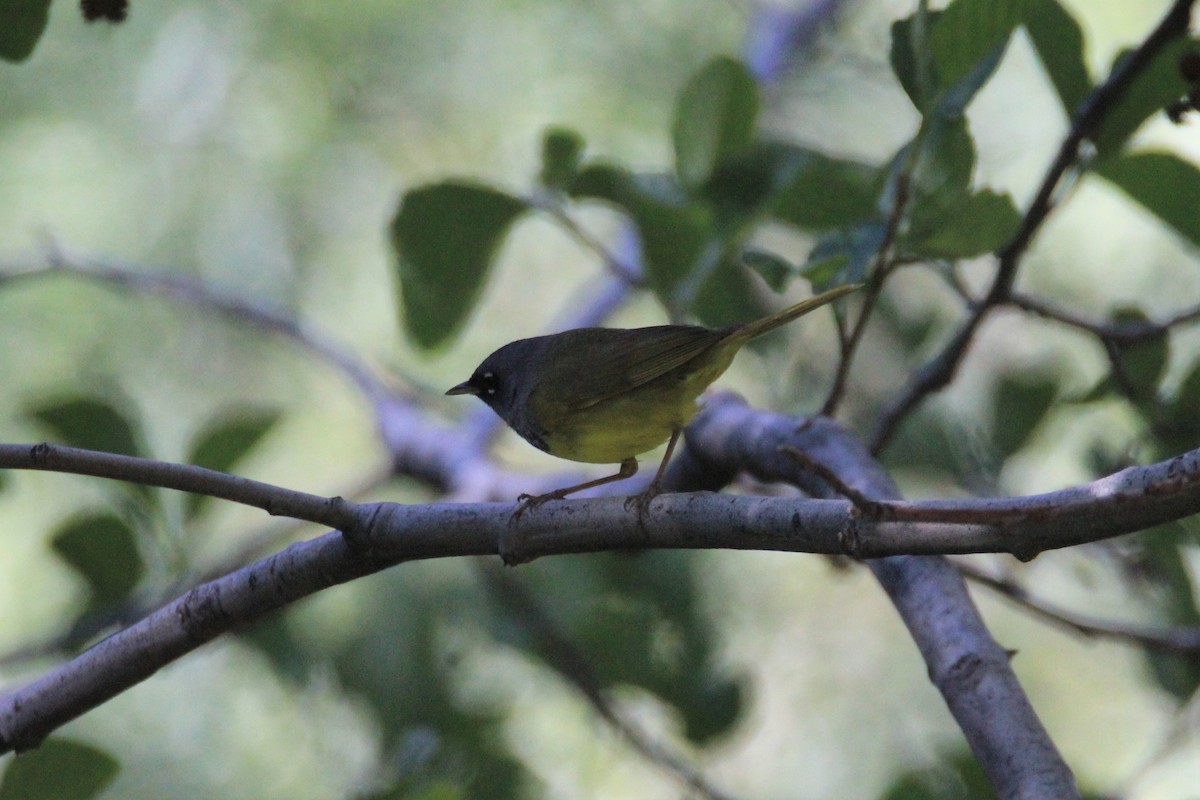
x,y
1019,405
970,33
1162,565
90,424
826,193
777,271
562,153
103,550
910,55
727,296
224,442
1158,85
942,59
445,236
1142,362
714,119
952,102
983,223
1180,426
22,23
1163,183
1058,40
823,272
675,233
855,248
941,175
59,769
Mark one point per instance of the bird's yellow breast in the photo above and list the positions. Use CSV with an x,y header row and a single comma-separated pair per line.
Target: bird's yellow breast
x,y
636,420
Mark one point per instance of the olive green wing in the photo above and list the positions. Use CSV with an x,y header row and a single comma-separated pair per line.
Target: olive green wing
x,y
608,362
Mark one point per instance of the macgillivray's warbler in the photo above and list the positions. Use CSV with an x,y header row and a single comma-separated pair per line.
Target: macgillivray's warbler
x,y
606,395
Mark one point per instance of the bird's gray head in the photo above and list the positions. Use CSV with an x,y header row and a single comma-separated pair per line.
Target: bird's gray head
x,y
504,379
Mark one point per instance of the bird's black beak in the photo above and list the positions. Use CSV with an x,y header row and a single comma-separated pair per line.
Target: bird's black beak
x,y
463,388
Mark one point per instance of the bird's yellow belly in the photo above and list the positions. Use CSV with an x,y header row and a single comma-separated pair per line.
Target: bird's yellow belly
x,y
632,422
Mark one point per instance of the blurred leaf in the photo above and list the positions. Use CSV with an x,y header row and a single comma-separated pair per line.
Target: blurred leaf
x,y
853,248
1058,40
714,119
982,223
777,271
823,272
445,236
970,33
941,175
404,669
562,153
826,193
1143,362
633,619
1159,84
1164,567
103,550
59,769
1104,388
911,57
224,443
944,165
727,296
1163,183
943,58
1181,422
746,186
926,444
952,102
1019,405
957,778
22,23
90,424
674,231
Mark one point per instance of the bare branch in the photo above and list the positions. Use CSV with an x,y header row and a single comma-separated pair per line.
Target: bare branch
x,y
384,534
1182,640
1116,332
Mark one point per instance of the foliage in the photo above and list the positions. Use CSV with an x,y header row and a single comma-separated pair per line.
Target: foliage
x,y
704,223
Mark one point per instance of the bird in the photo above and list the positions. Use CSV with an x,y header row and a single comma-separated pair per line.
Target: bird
x,y
607,395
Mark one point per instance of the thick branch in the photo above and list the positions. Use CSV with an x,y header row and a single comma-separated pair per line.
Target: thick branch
x,y
385,534
969,668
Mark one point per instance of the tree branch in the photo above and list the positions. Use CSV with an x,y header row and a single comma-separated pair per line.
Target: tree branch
x,y
1182,640
937,373
969,668
384,534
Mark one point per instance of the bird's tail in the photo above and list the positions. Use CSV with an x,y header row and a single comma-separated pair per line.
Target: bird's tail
x,y
769,323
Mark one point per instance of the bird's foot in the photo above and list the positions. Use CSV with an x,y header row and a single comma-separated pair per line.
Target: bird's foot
x,y
512,543
641,502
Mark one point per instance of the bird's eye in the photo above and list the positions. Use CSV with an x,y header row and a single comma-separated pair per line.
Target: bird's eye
x,y
488,383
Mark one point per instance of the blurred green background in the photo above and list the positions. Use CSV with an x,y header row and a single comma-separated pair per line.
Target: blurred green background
x,y
263,149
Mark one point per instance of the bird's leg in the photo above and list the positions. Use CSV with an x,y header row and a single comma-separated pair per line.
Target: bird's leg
x,y
511,545
642,499
628,469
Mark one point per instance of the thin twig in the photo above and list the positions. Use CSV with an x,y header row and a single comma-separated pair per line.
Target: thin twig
x,y
937,373
202,294
1182,640
1117,332
879,274
860,500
